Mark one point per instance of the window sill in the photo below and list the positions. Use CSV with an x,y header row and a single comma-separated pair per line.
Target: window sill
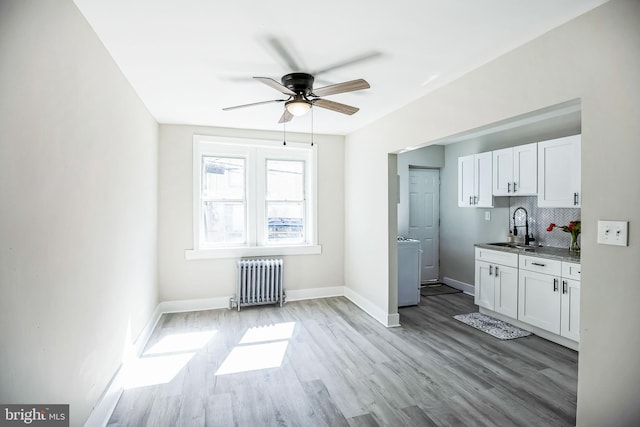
x,y
249,251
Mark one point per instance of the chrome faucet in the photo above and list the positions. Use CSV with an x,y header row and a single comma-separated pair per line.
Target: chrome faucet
x,y
527,238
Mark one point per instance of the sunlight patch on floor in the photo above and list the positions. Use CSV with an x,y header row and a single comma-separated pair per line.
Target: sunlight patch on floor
x,y
261,347
164,360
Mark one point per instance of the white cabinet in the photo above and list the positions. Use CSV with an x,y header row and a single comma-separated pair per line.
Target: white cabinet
x,y
474,180
515,171
570,302
559,172
496,281
547,299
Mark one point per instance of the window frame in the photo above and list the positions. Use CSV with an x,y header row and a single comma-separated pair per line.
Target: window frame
x,y
256,152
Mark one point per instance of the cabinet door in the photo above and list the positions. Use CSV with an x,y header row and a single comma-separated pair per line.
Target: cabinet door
x,y
525,170
539,300
503,172
506,290
466,181
559,173
483,180
570,309
484,292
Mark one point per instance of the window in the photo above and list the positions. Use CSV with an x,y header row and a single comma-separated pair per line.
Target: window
x,y
253,198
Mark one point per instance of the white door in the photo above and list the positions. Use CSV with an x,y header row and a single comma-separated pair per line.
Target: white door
x,y
570,309
485,285
506,290
539,300
484,180
424,218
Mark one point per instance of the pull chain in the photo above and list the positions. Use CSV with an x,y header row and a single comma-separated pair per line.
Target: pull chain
x,y
284,133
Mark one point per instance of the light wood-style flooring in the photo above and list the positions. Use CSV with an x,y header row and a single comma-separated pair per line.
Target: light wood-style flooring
x,y
342,368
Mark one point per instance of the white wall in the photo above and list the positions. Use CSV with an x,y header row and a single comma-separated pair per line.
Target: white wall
x,y
594,58
78,209
182,279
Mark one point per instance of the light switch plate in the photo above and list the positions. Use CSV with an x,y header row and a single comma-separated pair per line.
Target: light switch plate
x,y
613,233
487,215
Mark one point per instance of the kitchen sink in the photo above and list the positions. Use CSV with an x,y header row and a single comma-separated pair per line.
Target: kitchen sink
x,y
514,246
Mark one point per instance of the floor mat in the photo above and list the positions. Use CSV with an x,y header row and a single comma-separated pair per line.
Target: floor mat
x,y
437,289
491,326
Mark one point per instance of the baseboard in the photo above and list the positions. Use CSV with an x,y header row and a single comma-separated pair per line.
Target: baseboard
x,y
313,293
388,320
101,413
197,304
464,287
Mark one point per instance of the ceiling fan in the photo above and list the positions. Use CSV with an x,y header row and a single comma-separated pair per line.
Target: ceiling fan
x,y
302,95
298,86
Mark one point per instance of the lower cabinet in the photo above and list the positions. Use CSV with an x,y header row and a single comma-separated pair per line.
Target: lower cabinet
x,y
541,292
547,299
497,281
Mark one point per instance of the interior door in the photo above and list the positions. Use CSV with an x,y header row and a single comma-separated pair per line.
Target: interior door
x,y
424,218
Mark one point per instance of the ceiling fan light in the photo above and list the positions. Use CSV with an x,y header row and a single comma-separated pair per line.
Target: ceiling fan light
x,y
298,108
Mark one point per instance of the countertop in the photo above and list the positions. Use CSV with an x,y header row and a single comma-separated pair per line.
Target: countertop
x,y
562,254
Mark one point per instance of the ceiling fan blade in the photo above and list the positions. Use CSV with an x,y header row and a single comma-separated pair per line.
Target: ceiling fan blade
x,y
284,54
349,86
274,84
335,106
356,59
252,104
286,116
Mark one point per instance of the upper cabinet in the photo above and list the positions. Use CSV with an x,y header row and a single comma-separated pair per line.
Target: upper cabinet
x,y
475,180
559,173
515,171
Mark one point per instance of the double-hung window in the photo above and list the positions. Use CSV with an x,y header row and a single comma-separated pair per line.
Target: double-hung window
x,y
253,198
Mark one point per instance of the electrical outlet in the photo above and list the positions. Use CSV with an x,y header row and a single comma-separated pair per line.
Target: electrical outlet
x,y
613,233
487,215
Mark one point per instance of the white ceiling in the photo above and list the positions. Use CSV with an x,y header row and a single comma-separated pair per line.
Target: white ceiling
x,y
189,59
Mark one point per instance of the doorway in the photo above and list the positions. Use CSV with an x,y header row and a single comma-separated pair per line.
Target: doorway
x,y
424,218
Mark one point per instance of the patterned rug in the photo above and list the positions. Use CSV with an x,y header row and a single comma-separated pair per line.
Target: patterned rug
x,y
491,326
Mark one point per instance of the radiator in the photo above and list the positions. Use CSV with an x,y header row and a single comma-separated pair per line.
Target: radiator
x,y
259,282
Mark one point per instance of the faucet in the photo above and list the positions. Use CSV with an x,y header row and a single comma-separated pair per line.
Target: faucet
x,y
527,238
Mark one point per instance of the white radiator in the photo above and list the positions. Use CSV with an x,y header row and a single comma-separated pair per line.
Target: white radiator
x,y
259,282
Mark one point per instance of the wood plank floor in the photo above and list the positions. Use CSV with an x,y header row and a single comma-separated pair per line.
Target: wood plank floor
x,y
342,368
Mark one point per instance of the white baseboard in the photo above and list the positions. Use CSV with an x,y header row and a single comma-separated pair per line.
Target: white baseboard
x,y
464,287
197,304
313,293
389,320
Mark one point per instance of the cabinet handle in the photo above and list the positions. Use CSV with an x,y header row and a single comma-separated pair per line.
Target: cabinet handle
x,y
564,286
475,200
491,270
514,187
496,271
555,284
539,264
508,187
470,200
575,199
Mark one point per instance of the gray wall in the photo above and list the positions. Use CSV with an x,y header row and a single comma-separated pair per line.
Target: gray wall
x,y
594,58
461,228
78,209
426,157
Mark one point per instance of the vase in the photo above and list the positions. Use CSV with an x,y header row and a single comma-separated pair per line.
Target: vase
x,y
575,247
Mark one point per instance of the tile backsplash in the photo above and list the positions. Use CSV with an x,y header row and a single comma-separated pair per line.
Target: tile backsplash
x,y
539,220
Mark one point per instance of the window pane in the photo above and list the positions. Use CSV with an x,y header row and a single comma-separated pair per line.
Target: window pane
x,y
285,222
223,222
285,180
223,178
